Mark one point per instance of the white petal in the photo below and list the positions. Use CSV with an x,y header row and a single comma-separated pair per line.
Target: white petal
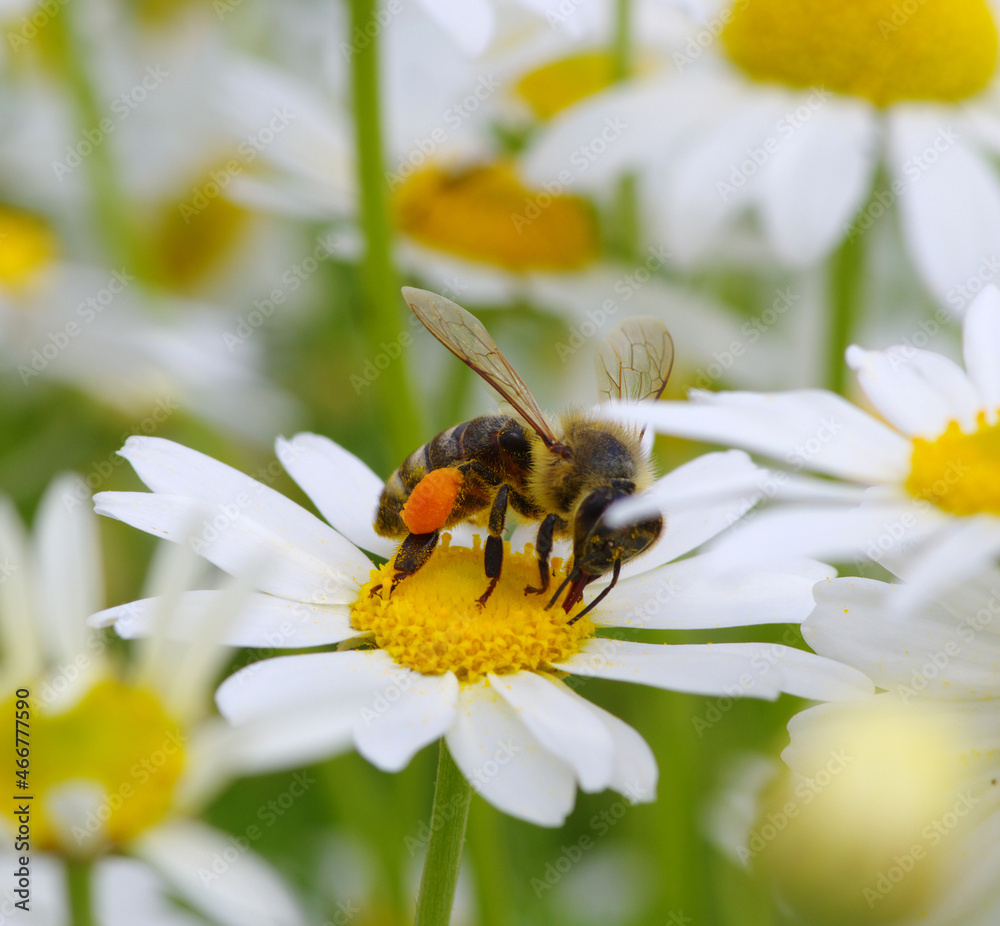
x,y
127,891
391,712
981,345
756,670
173,469
247,892
19,631
345,491
928,651
561,723
706,479
505,764
876,531
916,391
70,576
818,177
956,553
807,428
561,145
263,621
715,176
692,516
634,773
236,543
705,592
468,22
950,206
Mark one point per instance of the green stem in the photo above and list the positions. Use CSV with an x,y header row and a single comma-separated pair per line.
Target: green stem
x,y
110,204
78,886
626,207
452,796
380,281
846,274
621,47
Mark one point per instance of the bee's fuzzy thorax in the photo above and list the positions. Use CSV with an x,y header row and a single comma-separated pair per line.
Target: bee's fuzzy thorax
x,y
599,451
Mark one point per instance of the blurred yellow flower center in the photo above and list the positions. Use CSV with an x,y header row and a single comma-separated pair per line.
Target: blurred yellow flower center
x,y
557,85
27,245
432,622
102,772
959,472
882,50
485,213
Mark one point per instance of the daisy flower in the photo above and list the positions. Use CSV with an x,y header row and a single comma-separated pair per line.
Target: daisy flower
x,y
916,796
925,471
98,330
427,662
789,111
120,758
467,223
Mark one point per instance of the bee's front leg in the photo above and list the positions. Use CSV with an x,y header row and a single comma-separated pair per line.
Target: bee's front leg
x,y
543,547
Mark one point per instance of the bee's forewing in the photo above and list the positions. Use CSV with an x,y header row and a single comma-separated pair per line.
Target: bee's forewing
x,y
466,337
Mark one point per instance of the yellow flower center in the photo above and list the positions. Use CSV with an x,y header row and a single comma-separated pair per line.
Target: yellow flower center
x,y
432,622
485,213
27,246
556,86
101,772
198,232
882,50
959,472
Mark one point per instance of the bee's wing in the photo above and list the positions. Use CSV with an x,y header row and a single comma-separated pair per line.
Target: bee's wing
x,y
635,360
464,335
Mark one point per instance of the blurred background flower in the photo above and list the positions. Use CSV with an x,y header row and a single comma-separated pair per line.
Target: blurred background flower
x,y
207,210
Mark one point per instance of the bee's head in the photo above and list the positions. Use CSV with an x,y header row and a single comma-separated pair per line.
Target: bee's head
x,y
597,546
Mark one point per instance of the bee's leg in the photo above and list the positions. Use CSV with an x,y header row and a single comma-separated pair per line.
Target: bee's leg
x,y
413,552
543,547
493,559
603,594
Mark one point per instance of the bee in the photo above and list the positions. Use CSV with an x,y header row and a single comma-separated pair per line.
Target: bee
x,y
565,477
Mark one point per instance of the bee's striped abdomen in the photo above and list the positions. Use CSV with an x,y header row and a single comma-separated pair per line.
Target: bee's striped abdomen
x,y
444,450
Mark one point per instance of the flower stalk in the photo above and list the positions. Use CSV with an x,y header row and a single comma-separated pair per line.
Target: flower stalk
x,y
379,278
79,883
846,277
452,796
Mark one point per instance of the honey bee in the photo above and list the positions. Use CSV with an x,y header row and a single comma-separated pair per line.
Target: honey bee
x,y
564,478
